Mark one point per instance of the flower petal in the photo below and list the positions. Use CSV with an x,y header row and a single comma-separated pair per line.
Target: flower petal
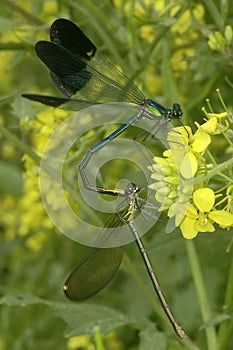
x,y
192,212
179,137
204,199
201,141
217,115
210,126
187,228
188,167
222,218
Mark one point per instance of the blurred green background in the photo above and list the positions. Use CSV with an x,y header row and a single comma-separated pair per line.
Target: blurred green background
x,y
174,51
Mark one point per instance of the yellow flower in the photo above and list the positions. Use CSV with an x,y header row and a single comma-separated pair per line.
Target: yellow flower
x,y
192,208
186,149
214,125
201,215
196,218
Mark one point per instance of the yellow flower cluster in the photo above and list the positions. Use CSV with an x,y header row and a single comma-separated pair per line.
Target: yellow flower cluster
x,y
32,218
183,174
152,17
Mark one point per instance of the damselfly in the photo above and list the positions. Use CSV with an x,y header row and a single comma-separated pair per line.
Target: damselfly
x,y
87,78
100,265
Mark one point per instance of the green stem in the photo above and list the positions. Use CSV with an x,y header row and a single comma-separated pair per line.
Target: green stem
x,y
98,339
217,170
170,87
201,293
16,8
212,159
215,14
10,46
226,328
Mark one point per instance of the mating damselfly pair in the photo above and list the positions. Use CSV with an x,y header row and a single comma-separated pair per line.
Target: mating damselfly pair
x,y
86,78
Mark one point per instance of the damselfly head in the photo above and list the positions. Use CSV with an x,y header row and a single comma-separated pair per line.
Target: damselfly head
x,y
177,111
131,188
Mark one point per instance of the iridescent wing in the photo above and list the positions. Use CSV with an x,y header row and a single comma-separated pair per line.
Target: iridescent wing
x,y
80,72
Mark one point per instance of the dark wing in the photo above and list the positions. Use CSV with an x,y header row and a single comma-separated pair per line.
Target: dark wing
x,y
93,273
63,64
100,265
68,35
77,69
65,33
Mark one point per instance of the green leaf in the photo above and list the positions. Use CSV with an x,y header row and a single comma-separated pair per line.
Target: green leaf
x,y
151,339
19,299
80,318
5,99
218,319
84,318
